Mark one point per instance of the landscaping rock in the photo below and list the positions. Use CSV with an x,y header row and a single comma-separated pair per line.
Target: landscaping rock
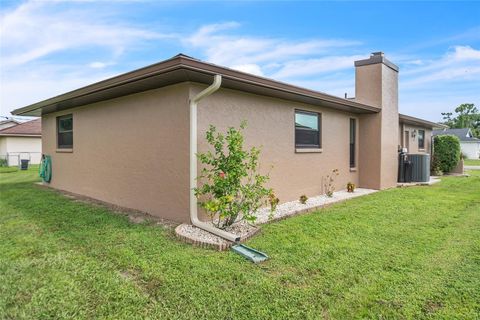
x,y
205,239
245,230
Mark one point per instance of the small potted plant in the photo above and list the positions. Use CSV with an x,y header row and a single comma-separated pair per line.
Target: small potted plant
x,y
350,187
303,199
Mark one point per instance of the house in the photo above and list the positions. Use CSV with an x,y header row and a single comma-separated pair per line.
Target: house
x,y
469,145
7,123
126,140
21,141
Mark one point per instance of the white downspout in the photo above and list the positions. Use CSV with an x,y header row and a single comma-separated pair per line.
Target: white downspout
x,y
193,163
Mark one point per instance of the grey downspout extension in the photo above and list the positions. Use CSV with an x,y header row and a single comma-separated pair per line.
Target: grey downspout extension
x,y
193,163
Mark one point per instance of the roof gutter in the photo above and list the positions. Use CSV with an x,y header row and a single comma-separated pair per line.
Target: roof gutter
x,y
193,163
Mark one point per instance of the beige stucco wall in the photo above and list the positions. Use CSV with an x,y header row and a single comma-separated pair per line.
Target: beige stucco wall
x,y
131,151
271,126
413,141
24,147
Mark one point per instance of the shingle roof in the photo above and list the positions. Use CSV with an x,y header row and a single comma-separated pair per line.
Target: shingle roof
x,y
29,128
462,134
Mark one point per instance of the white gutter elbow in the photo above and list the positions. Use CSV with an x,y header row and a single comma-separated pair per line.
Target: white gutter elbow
x,y
193,163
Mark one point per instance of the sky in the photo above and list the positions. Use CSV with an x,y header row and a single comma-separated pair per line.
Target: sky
x,y
51,47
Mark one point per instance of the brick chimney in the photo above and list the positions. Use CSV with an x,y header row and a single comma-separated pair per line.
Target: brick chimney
x,y
376,84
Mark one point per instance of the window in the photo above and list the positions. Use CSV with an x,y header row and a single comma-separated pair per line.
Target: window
x,y
421,139
307,129
65,132
353,138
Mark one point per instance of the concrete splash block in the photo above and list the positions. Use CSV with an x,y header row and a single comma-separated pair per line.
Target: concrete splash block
x,y
204,239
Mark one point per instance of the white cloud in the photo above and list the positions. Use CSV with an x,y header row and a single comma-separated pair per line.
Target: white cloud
x,y
99,65
465,53
36,29
301,68
227,49
460,63
29,85
249,68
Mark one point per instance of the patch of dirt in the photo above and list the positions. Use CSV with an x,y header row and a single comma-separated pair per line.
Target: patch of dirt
x,y
134,216
432,306
391,304
147,286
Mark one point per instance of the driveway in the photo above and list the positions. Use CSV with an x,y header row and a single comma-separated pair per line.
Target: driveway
x,y
471,167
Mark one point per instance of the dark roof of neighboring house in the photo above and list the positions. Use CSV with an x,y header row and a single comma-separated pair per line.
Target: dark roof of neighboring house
x,y
30,128
420,122
464,134
182,68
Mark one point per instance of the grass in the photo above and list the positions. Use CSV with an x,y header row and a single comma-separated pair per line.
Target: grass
x,y
15,168
8,169
472,162
410,253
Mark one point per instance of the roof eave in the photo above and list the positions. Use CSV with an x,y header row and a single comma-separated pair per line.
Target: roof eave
x,y
20,135
188,69
420,122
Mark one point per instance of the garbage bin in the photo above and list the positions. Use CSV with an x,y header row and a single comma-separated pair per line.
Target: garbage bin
x,y
24,164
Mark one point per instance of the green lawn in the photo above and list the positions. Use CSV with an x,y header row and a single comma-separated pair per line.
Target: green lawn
x,y
8,169
411,253
472,162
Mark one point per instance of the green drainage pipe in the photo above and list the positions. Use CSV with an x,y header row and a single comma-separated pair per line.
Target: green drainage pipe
x,y
45,170
249,253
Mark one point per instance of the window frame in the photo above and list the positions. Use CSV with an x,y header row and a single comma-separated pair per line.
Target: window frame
x,y
352,144
319,131
421,147
60,118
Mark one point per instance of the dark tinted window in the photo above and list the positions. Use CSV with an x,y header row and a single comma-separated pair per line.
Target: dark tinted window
x,y
421,139
307,129
65,132
353,138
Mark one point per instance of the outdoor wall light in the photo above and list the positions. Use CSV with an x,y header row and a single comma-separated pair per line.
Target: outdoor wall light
x,y
414,133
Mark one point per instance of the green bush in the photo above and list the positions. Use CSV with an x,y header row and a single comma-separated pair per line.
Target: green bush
x,y
232,189
3,162
446,153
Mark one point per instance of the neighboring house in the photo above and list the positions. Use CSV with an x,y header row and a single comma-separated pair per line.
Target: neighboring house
x,y
8,123
125,140
469,145
22,141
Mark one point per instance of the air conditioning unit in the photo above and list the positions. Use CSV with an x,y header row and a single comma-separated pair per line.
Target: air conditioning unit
x,y
420,167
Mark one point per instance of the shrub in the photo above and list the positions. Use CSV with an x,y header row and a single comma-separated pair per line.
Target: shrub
x,y
3,162
446,153
232,188
350,187
303,199
273,200
330,183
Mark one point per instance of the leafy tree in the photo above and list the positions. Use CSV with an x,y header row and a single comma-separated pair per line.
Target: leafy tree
x,y
232,189
466,116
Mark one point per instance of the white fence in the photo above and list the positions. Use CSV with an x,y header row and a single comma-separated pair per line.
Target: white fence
x,y
14,158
